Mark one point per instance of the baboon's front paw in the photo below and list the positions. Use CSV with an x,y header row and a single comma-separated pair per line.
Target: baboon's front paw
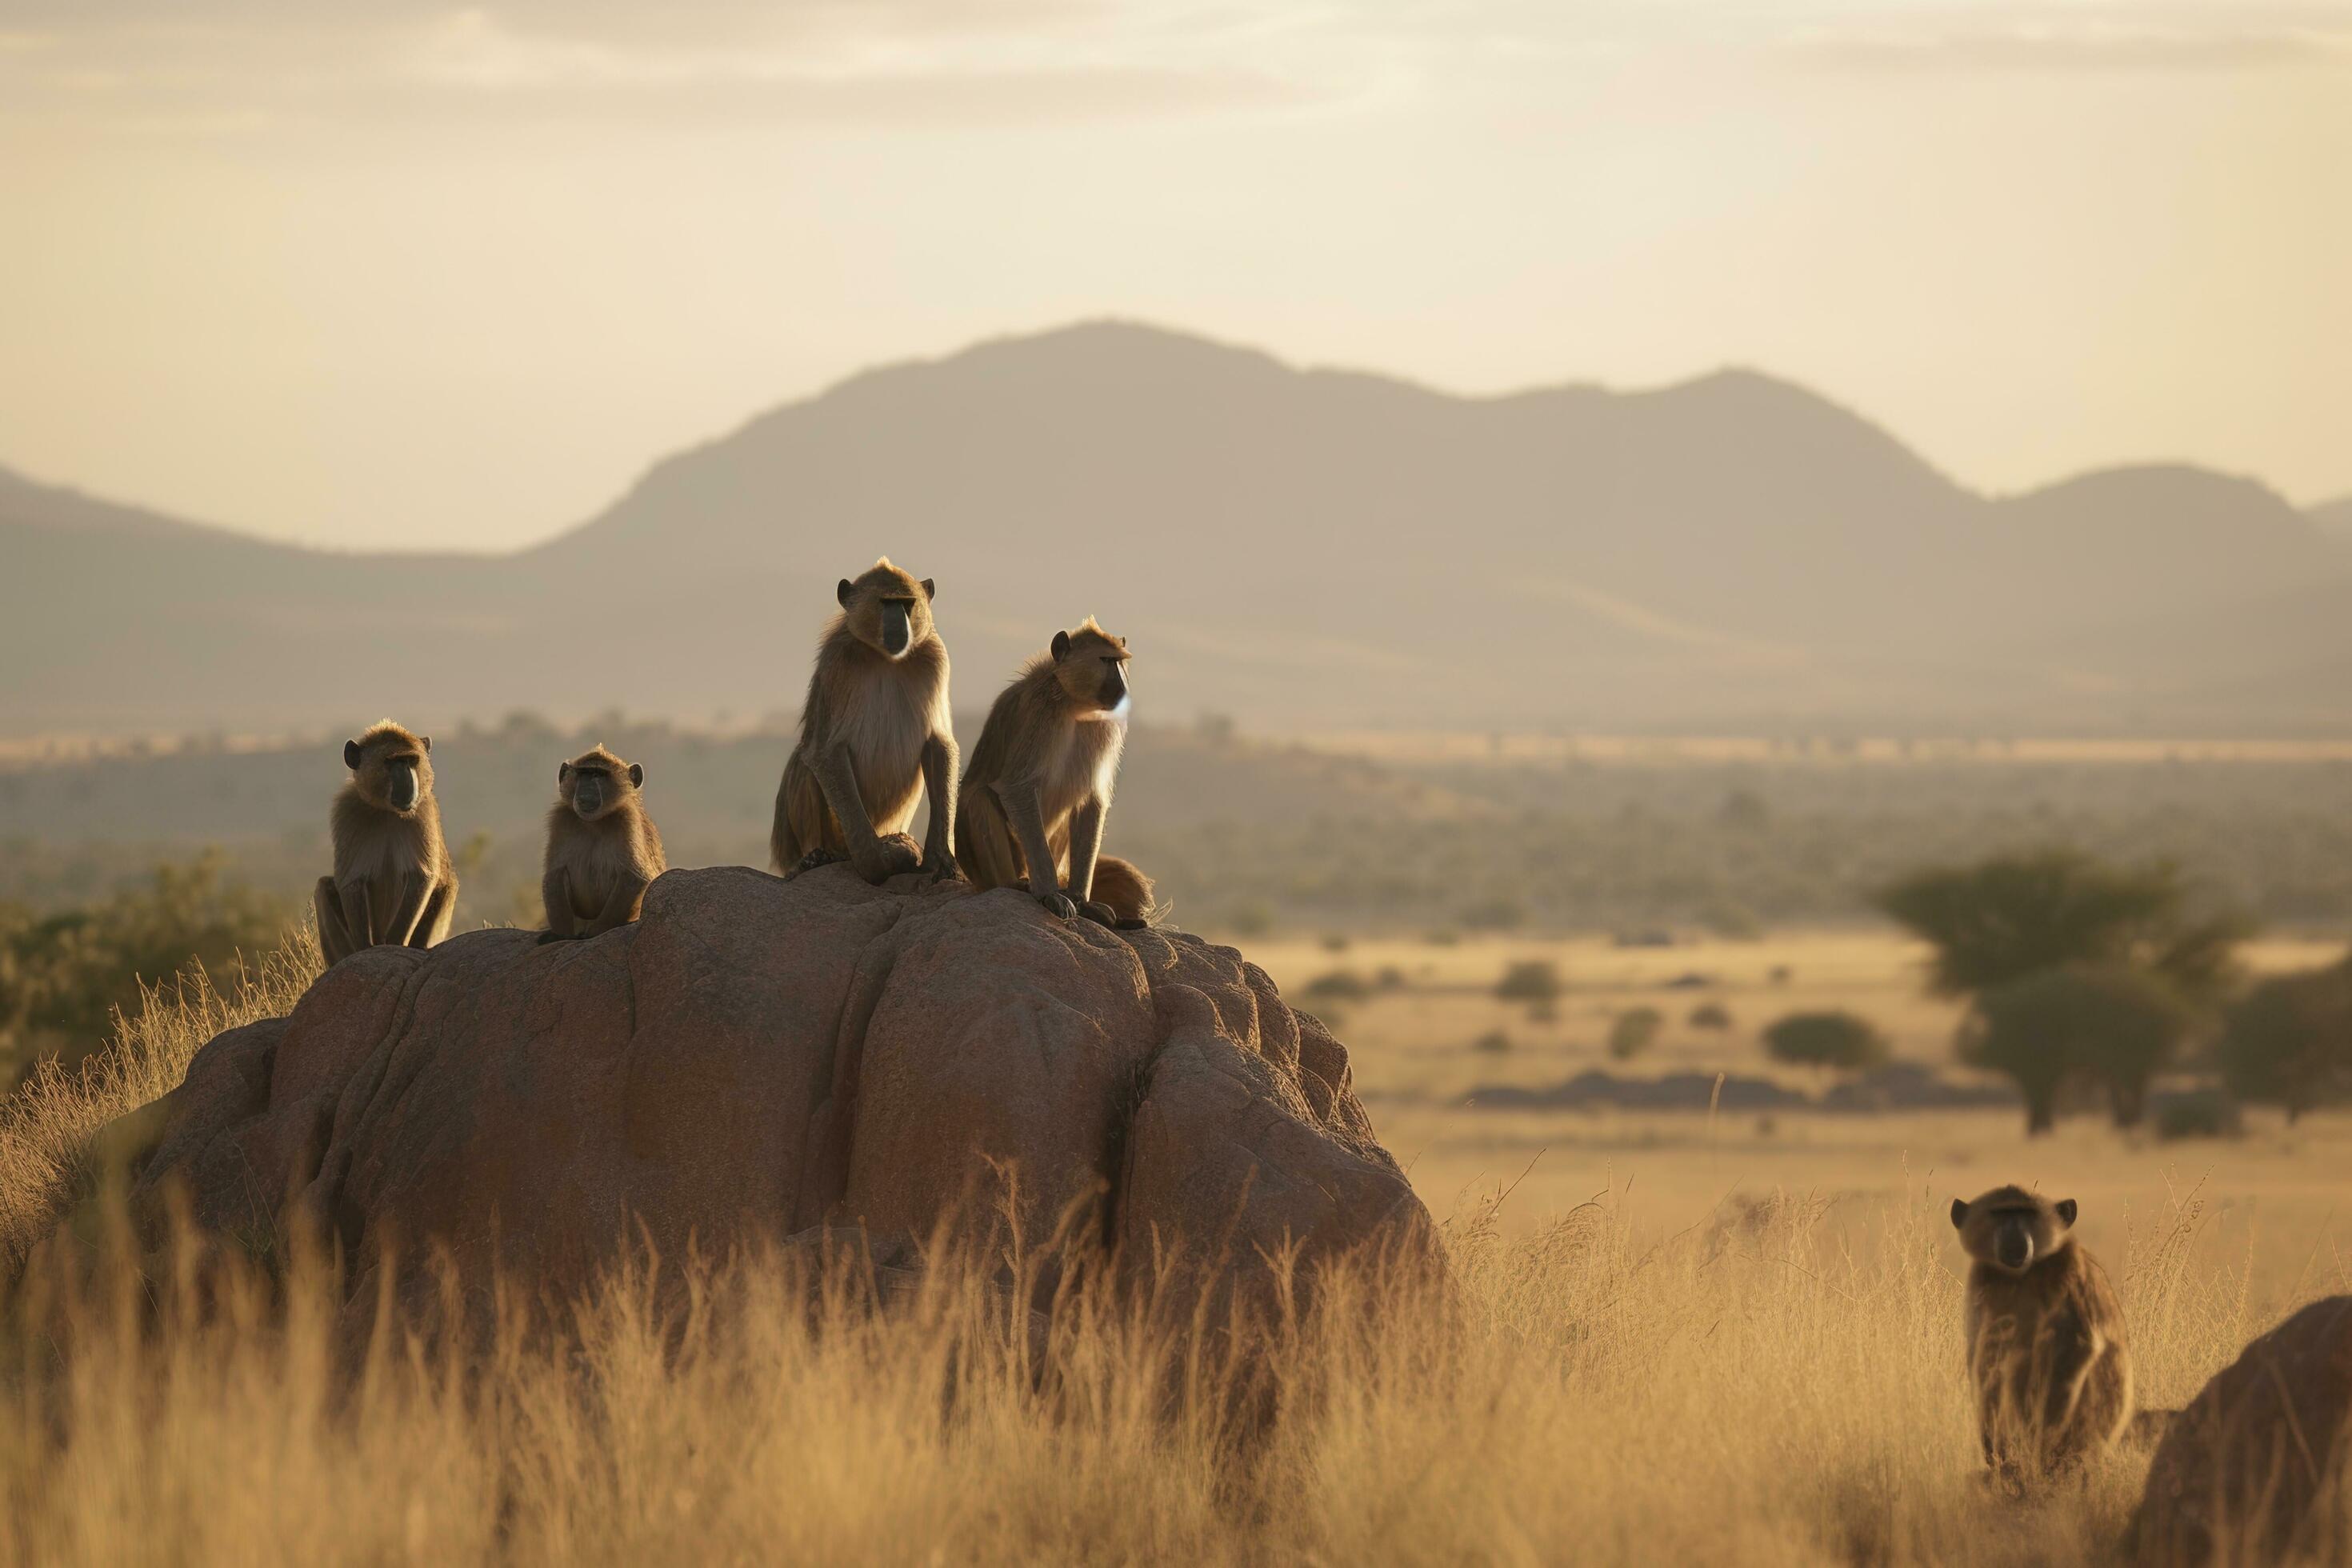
x,y
1058,905
820,856
547,936
1102,914
892,856
941,867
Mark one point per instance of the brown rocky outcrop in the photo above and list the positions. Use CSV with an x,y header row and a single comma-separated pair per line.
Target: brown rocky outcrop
x,y
2254,1469
755,1058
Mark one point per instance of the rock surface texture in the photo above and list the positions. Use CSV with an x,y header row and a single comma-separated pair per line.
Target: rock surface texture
x,y
2255,1470
755,1058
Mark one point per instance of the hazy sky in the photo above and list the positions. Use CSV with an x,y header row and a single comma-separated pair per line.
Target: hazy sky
x,y
368,271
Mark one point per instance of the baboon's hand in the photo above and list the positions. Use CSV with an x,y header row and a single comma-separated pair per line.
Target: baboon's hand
x,y
1057,904
886,857
941,867
547,936
1102,914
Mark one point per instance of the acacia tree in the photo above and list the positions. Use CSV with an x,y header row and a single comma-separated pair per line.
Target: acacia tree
x,y
2076,968
2116,1025
2014,915
2288,1042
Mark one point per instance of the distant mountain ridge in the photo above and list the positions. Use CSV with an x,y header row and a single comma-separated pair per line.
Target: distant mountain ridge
x,y
1313,548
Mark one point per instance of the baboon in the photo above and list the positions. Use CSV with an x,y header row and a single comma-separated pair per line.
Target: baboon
x,y
393,881
2046,1352
1040,783
603,850
875,727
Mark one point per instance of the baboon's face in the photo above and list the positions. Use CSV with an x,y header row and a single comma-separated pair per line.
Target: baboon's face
x,y
1092,667
2011,1228
889,611
597,784
393,768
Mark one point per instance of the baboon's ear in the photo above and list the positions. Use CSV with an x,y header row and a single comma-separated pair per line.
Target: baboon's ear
x,y
636,774
1061,647
1959,1214
2066,1211
425,741
841,593
351,755
562,771
930,589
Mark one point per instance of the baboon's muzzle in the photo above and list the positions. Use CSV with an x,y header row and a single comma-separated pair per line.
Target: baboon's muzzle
x,y
402,789
895,631
588,796
2015,1249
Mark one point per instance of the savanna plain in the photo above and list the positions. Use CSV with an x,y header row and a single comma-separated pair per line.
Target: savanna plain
x,y
1722,1328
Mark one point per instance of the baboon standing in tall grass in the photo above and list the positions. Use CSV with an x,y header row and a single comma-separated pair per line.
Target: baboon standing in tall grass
x,y
2047,1358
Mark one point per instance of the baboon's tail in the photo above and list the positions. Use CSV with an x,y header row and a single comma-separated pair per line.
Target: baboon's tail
x,y
1126,889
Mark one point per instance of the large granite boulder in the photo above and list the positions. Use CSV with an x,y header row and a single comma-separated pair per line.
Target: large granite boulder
x,y
756,1060
2255,1470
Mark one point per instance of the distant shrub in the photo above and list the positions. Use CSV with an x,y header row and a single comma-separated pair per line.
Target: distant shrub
x,y
1250,918
1493,1040
1496,914
1635,1030
1837,1040
1529,980
2288,1041
1782,973
1335,941
2206,1113
1731,919
1444,938
1340,985
1542,1012
1744,809
63,976
1710,1015
1390,978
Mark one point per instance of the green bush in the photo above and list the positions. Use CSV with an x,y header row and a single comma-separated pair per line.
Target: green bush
x,y
1710,1015
63,976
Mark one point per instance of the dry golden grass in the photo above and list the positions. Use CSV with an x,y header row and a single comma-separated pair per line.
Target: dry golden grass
x,y
1745,1390
47,1124
1730,1370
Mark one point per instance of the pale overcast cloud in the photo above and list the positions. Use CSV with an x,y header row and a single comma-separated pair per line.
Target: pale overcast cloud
x,y
361,271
